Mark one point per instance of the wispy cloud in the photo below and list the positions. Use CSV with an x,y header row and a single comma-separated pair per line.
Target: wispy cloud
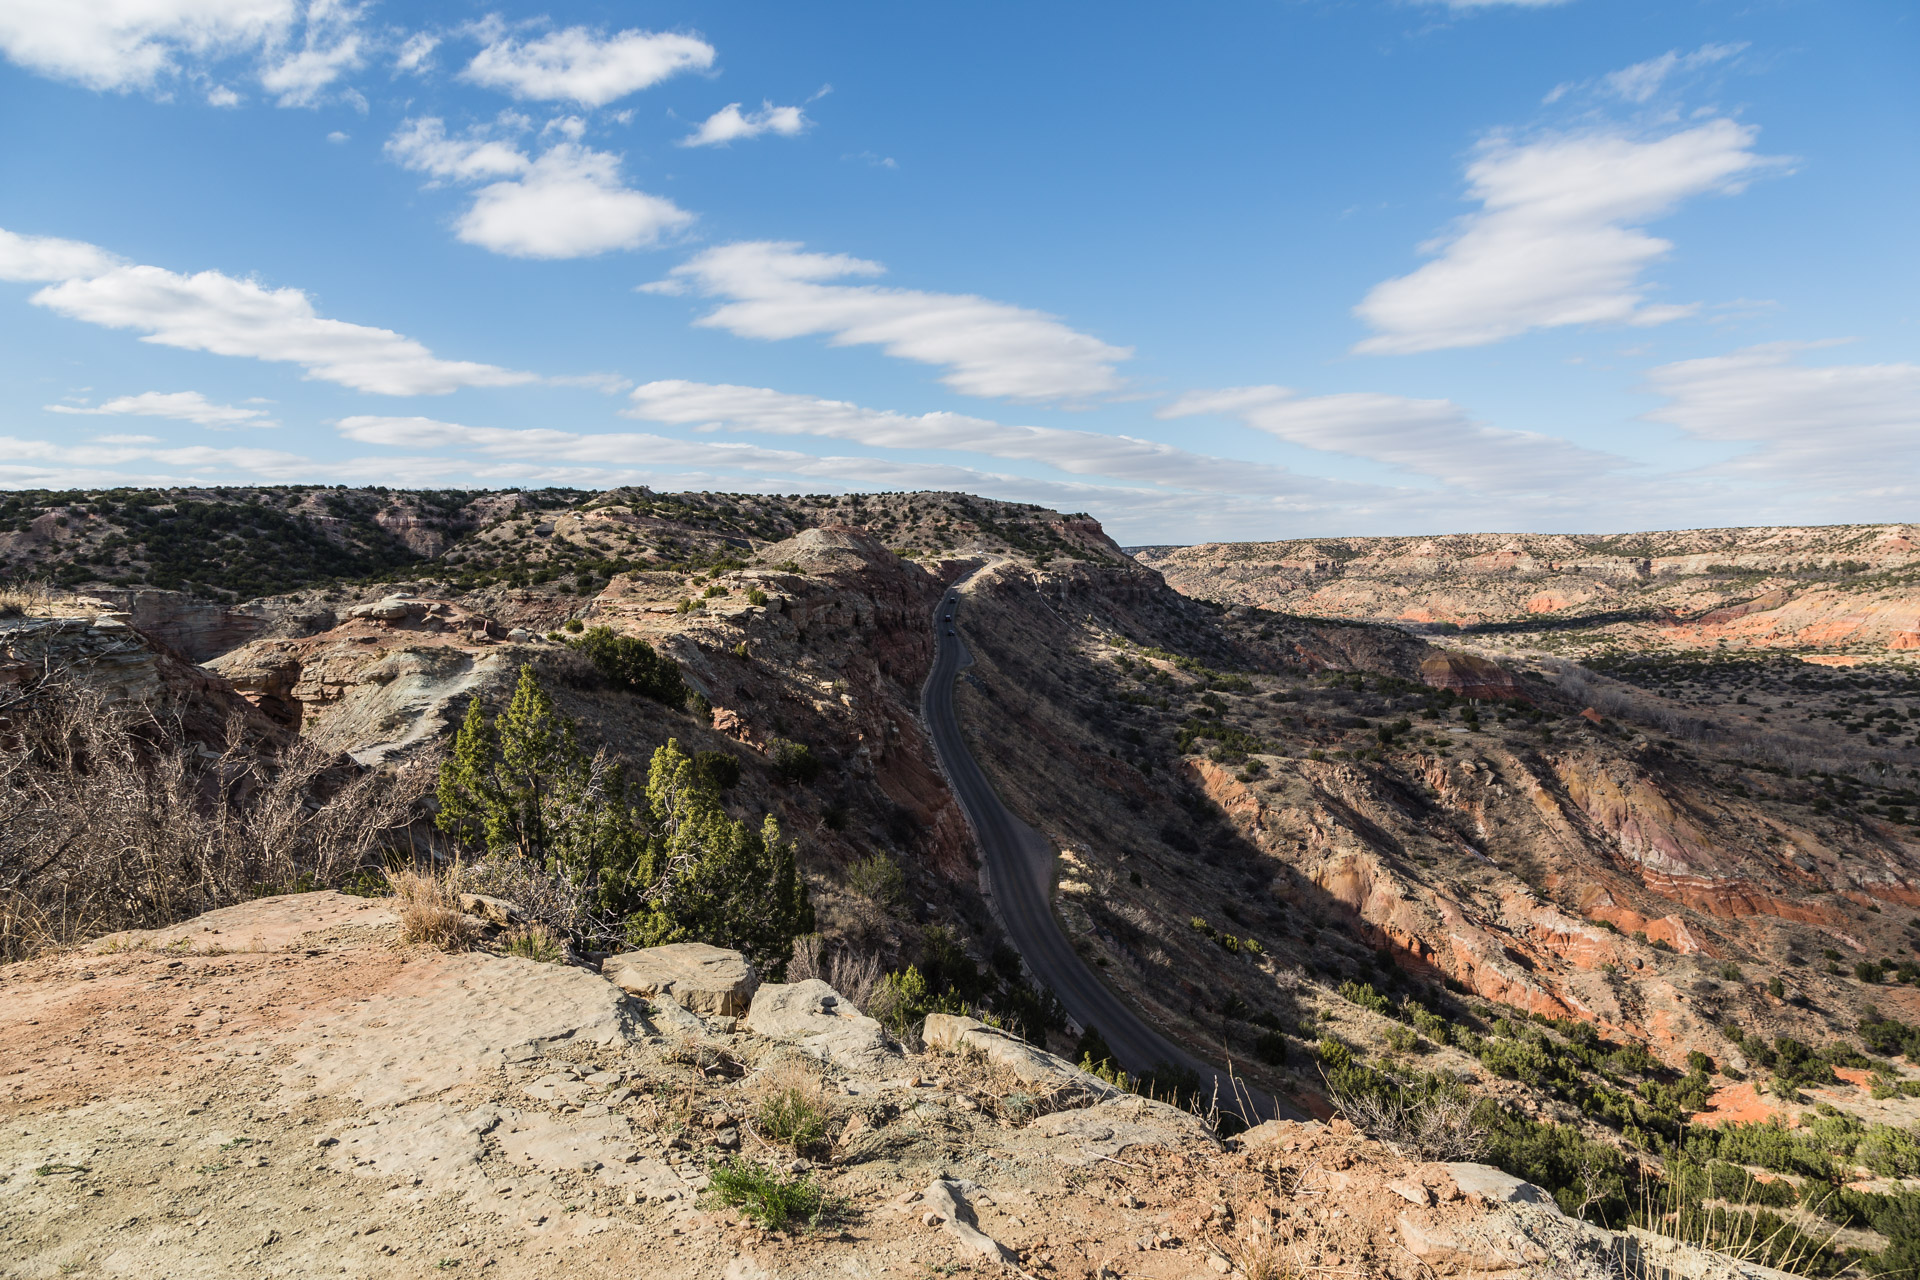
x,y
1847,429
1557,240
182,406
774,290
424,146
712,406
1640,82
299,48
214,312
1432,438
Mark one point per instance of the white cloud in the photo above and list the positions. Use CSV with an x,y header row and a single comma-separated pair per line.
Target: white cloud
x,y
330,47
1557,239
193,461
416,52
132,44
213,312
734,408
775,291
302,46
1433,438
337,137
423,146
570,203
184,406
580,65
729,125
39,258
1849,427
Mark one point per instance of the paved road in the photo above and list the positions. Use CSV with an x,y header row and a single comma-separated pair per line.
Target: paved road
x,y
1019,864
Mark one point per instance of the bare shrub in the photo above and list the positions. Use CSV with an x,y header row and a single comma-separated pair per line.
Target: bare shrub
x,y
31,597
806,961
544,896
430,912
1435,1126
112,818
854,977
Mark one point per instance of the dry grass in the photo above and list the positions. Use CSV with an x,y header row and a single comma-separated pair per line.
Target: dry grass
x,y
535,942
1435,1127
430,912
790,1105
30,599
111,818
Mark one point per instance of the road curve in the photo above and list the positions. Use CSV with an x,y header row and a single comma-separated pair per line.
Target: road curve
x,y
1019,866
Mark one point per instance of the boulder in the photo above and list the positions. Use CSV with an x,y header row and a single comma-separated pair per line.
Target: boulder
x,y
1033,1067
391,609
705,979
824,1024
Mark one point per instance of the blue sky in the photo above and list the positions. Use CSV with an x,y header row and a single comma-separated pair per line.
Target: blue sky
x,y
1231,271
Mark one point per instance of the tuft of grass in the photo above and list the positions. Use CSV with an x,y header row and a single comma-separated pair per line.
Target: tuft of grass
x,y
430,913
792,1109
793,1119
536,942
775,1201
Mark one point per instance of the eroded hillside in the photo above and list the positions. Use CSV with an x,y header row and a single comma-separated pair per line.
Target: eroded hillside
x,y
1608,897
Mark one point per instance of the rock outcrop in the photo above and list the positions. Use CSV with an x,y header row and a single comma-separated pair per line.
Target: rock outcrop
x,y
697,977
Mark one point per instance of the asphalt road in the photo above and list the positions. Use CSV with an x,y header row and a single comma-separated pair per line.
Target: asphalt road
x,y
1019,865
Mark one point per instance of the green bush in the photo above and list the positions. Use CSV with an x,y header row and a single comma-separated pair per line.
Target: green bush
x,y
879,880
720,769
1363,994
775,1202
630,663
793,763
1271,1048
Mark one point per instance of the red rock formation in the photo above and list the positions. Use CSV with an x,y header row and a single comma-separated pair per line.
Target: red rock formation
x,y
1471,676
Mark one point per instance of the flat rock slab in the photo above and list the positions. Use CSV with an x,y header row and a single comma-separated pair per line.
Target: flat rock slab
x,y
281,923
1495,1186
453,1021
1033,1067
708,980
825,1025
1107,1128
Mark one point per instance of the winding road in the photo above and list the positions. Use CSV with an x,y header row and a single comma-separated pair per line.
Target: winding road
x,y
1019,867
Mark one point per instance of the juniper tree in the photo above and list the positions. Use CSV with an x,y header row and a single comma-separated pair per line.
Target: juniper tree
x,y
668,866
715,878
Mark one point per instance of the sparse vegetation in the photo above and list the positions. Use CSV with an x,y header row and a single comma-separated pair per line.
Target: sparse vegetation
x,y
775,1201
